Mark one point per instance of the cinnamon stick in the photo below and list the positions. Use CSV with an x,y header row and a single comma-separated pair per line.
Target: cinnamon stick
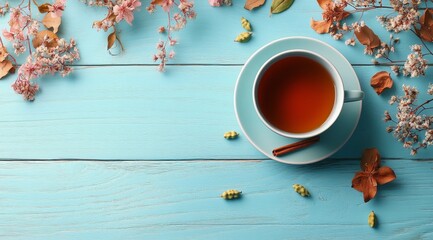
x,y
295,146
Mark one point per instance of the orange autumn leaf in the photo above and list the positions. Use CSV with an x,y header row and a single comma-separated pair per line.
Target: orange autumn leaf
x,y
425,31
38,40
157,2
44,8
320,26
372,174
381,81
324,4
3,53
331,13
52,22
5,68
251,4
367,37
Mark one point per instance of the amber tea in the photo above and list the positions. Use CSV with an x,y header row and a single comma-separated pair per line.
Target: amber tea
x,y
296,94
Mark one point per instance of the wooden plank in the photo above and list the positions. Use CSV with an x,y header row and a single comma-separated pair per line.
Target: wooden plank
x,y
178,200
209,39
138,113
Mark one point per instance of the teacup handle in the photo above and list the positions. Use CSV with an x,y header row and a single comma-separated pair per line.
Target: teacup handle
x,y
353,95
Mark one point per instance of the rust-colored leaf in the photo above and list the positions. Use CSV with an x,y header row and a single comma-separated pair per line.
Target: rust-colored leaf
x,y
384,175
372,174
425,31
251,4
381,81
320,26
365,184
325,4
367,37
157,2
38,40
44,8
52,22
5,68
370,160
110,40
3,53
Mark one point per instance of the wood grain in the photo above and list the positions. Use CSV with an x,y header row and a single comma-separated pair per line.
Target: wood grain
x,y
180,200
137,113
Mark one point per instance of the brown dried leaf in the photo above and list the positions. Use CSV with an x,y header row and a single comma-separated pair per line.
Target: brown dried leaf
x,y
251,4
5,67
324,4
157,2
111,39
365,184
52,22
320,26
367,37
44,8
384,175
372,174
38,40
341,14
427,18
425,34
3,53
381,81
370,160
425,31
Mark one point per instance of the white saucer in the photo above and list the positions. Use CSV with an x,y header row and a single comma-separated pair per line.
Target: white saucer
x,y
266,140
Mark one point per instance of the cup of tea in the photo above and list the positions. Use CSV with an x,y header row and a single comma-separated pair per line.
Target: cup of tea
x,y
300,94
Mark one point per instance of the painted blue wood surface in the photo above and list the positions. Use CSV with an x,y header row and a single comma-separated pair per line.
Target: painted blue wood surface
x,y
174,123
138,113
180,200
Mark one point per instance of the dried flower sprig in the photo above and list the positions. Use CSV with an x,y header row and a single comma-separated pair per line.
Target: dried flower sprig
x,y
411,121
178,13
406,16
48,54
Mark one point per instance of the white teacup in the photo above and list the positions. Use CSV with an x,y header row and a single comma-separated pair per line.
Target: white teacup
x,y
341,95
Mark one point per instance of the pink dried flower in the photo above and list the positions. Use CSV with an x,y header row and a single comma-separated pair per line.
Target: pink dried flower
x,y
171,54
167,4
215,3
123,11
57,8
25,88
45,61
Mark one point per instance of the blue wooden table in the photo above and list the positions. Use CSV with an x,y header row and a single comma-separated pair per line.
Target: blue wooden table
x,y
120,151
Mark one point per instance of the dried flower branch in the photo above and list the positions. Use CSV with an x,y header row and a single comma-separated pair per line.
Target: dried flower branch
x,y
410,121
48,54
178,13
405,16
